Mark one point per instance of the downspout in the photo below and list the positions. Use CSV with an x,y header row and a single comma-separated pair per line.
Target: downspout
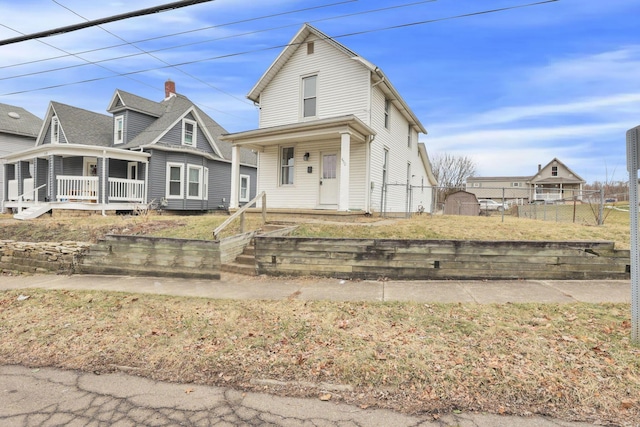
x,y
368,182
104,178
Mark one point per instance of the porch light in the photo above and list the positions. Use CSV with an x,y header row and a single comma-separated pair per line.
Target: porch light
x,y
306,157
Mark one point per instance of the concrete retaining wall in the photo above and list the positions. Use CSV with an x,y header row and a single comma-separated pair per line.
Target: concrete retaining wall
x,y
153,256
440,259
28,257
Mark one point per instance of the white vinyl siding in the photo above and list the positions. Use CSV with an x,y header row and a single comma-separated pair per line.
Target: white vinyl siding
x,y
342,86
175,181
305,194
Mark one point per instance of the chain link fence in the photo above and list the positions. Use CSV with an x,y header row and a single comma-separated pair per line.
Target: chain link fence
x,y
556,204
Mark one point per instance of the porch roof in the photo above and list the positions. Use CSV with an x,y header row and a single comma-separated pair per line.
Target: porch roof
x,y
75,150
304,131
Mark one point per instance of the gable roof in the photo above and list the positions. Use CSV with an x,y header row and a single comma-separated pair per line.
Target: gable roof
x,y
79,126
18,121
122,100
376,72
169,113
555,161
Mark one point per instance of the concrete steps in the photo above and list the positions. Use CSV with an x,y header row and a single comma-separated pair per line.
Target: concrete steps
x,y
245,263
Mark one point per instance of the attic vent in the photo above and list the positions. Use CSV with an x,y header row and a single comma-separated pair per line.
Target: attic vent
x,y
13,115
310,48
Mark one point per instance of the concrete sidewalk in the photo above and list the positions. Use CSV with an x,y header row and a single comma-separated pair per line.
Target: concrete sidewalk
x,y
235,286
48,397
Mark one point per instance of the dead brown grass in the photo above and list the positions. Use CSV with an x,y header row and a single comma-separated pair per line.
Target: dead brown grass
x,y
573,361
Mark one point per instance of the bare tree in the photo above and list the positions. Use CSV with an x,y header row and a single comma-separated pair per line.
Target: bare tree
x,y
452,171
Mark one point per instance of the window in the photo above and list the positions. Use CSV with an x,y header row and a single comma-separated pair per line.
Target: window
x,y
118,130
174,180
554,171
387,108
385,165
309,96
409,130
55,130
194,174
310,48
286,166
245,181
516,184
189,129
476,184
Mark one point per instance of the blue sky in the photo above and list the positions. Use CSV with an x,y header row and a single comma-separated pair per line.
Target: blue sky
x,y
510,89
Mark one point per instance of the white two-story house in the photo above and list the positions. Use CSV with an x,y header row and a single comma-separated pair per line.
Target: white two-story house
x,y
334,134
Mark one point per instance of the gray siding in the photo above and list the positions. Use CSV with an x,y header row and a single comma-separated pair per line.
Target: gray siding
x,y
118,168
11,144
174,136
134,124
219,186
42,169
72,166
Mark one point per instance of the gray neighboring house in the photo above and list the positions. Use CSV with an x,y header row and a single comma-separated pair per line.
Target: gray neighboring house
x,y
167,153
18,131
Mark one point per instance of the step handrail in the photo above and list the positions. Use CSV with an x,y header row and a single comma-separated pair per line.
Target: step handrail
x,y
21,197
240,213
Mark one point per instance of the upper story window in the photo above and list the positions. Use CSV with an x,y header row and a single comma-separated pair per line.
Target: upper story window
x,y
309,96
409,131
387,109
286,166
189,132
118,130
310,48
55,130
554,171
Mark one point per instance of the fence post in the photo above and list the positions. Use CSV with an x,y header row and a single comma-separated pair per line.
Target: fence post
x,y
601,209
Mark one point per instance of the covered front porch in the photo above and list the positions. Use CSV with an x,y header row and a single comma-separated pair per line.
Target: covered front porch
x,y
319,165
75,177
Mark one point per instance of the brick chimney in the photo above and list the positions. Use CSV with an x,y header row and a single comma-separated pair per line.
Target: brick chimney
x,y
169,88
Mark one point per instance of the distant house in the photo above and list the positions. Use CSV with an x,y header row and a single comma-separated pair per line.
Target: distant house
x,y
18,131
553,182
167,153
334,134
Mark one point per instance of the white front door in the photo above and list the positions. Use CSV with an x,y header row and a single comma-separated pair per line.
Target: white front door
x,y
329,184
90,166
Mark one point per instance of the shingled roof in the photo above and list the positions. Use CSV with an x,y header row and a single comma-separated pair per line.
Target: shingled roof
x,y
82,126
18,121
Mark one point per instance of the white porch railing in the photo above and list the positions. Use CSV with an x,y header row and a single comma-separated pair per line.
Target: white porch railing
x,y
77,188
554,195
126,190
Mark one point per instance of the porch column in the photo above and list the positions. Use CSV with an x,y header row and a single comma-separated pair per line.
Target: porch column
x,y
345,166
235,176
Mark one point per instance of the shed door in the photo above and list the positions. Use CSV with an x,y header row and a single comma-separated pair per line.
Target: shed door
x,y
329,179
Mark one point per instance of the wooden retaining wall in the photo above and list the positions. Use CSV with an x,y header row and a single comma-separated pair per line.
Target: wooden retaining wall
x,y
440,259
153,256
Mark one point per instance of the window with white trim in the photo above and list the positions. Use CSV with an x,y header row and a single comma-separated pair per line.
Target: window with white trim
x,y
476,184
55,130
286,165
118,130
245,182
189,132
554,171
175,176
194,181
516,184
309,96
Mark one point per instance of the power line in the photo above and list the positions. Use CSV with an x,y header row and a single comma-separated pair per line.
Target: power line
x,y
75,27
430,21
192,31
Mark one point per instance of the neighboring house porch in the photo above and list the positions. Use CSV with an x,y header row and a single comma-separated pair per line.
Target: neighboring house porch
x,y
76,177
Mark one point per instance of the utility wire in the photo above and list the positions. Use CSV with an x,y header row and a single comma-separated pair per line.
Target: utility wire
x,y
430,21
162,61
75,27
195,30
208,40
